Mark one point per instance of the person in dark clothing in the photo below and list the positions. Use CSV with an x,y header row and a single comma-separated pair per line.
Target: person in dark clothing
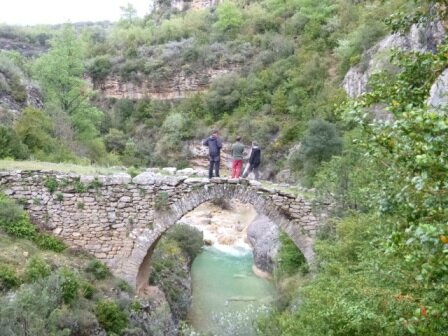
x,y
214,144
254,161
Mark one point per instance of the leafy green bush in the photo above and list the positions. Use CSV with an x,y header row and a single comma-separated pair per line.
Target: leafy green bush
x,y
290,259
8,278
51,184
49,242
11,145
14,221
97,269
70,285
36,269
319,144
110,316
32,303
189,239
87,289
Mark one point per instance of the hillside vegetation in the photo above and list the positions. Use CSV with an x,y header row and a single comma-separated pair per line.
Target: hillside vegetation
x,y
382,256
285,61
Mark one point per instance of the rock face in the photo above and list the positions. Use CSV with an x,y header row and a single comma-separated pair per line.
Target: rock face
x,y
438,95
264,238
120,220
181,85
182,5
419,38
222,226
155,317
10,109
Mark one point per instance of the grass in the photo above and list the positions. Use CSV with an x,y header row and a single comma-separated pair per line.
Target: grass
x,y
6,165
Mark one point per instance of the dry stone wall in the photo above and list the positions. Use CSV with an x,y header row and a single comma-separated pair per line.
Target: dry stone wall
x,y
119,219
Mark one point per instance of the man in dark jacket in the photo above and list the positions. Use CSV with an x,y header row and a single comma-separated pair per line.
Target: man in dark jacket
x,y
254,161
214,144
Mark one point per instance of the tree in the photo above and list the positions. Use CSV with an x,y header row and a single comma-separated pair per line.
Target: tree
x,y
128,13
61,73
319,144
35,129
230,18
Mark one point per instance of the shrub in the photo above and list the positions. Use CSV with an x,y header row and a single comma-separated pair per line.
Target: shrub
x,y
8,278
97,269
290,258
124,286
49,242
189,239
87,290
51,184
110,317
319,144
14,221
69,284
36,269
66,321
11,145
80,187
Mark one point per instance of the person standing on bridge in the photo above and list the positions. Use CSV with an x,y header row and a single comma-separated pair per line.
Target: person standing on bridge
x,y
254,161
237,157
214,144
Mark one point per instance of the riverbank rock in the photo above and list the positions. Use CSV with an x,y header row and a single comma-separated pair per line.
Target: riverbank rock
x,y
154,317
263,235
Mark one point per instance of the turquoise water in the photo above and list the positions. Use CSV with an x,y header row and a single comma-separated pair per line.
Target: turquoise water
x,y
227,296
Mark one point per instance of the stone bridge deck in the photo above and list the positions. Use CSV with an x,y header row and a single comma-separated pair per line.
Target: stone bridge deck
x,y
120,219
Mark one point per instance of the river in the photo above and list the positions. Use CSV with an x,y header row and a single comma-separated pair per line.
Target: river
x,y
227,296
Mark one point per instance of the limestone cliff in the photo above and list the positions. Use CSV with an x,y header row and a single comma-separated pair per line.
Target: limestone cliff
x,y
180,85
10,107
419,38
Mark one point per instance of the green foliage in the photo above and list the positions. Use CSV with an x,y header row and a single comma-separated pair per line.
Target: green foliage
x,y
11,78
51,184
170,271
61,73
189,239
35,130
8,278
14,221
223,95
32,302
230,18
36,269
87,290
70,285
97,269
49,242
80,187
290,258
110,316
11,145
319,144
100,68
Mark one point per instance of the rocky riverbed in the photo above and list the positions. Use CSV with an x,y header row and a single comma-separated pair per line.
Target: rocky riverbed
x,y
231,226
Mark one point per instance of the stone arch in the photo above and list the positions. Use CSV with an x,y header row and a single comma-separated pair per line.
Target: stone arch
x,y
264,203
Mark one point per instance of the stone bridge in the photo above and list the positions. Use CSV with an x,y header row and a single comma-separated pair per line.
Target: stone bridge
x,y
120,219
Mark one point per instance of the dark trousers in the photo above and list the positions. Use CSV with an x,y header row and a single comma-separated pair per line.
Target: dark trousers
x,y
253,168
214,165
